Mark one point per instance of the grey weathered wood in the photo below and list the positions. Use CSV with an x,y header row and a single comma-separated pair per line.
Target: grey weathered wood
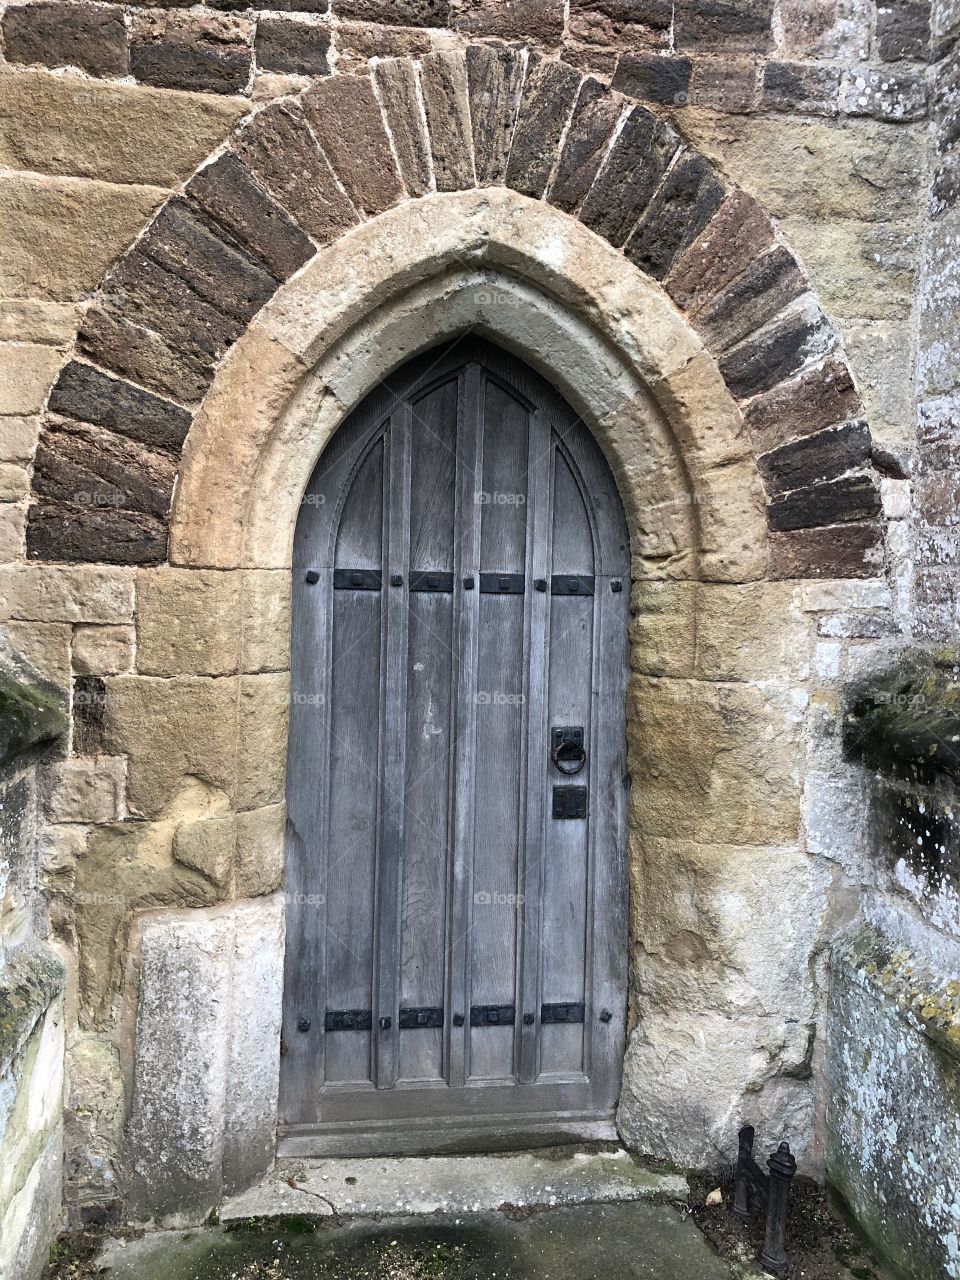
x,y
420,777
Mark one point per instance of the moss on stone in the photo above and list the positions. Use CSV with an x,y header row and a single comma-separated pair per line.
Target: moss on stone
x,y
29,715
906,722
32,978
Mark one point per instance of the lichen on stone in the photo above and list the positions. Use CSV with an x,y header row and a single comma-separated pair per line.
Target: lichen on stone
x,y
30,714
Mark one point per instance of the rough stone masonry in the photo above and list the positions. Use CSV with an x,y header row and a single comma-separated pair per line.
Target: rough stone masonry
x,y
752,207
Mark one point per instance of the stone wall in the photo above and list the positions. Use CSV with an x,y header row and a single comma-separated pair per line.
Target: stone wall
x,y
166,265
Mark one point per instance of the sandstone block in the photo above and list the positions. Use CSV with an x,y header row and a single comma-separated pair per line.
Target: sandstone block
x,y
259,858
102,650
549,92
33,320
903,30
94,1114
766,287
595,116
289,45
283,154
848,550
84,790
265,611
754,631
884,96
738,233
730,26
815,458
663,628
796,86
207,846
84,535
171,367
13,524
26,375
188,622
115,132
86,466
88,709
510,19
18,438
345,117
838,29
494,78
359,42
46,646
228,192
850,499
629,176
680,209
396,80
761,361
446,102
859,268
724,84
819,397
263,714
14,482
177,51
708,425
87,36
86,394
91,593
62,234
415,13
654,78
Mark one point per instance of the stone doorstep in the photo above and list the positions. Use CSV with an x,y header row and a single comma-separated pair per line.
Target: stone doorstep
x,y
451,1184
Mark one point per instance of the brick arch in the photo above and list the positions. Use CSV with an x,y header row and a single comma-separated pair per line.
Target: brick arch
x,y
303,171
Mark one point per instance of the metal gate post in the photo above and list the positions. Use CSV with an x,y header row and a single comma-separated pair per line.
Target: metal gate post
x,y
782,1167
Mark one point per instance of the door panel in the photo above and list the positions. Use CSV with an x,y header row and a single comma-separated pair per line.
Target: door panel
x,y
456,945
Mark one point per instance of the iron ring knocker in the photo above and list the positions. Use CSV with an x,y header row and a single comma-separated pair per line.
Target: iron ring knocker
x,y
569,766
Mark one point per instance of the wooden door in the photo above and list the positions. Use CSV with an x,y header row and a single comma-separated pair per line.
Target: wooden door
x,y
456,886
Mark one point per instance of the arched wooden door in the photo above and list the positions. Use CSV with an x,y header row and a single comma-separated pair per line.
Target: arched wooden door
x,y
456,885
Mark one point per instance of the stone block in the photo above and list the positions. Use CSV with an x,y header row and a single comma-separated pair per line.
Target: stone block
x,y
849,550
283,154
172,730
770,356
654,78
33,320
208,53
766,287
107,535
680,209
595,116
263,714
94,1114
87,395
494,78
737,234
115,132
630,174
102,650
754,631
88,708
18,437
850,499
259,856
396,81
443,82
27,372
549,92
346,118
708,426
88,36
13,525
903,30
85,466
725,84
838,29
815,458
188,622
727,26
818,398
937,365
89,593
796,86
663,628
735,754
228,192
84,790
291,45
14,482
265,614
884,96
414,13
510,19
208,846
859,268
358,43
46,646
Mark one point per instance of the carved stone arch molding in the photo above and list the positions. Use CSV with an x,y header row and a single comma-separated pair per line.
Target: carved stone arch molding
x,y
304,175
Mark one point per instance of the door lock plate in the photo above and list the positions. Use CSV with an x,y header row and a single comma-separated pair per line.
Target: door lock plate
x,y
569,802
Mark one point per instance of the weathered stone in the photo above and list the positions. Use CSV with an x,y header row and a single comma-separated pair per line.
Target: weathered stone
x,y
600,30
88,708
88,535
359,42
84,466
680,209
815,458
847,550
26,374
549,92
33,320
820,397
654,78
663,628
207,845
858,268
84,790
737,234
825,28
34,593
13,526
183,241
14,482
259,862
103,650
939,308
795,86
768,285
595,116
265,613
396,81
707,424
446,102
209,53
18,437
754,631
852,498
903,29
188,623
289,45
346,119
510,19
727,26
88,395
495,79
115,132
761,361
629,176
262,740
78,35
415,13
228,192
283,153
158,363
61,234
725,84
884,96
94,1115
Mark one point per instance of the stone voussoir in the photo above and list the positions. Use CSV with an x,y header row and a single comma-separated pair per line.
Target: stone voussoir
x,y
595,116
494,79
682,206
629,176
345,117
91,37
443,81
549,92
84,393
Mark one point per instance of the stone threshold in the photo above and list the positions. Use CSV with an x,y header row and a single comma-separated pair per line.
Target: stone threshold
x,y
414,1185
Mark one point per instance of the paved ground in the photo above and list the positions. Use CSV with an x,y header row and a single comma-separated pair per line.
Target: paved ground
x,y
629,1241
